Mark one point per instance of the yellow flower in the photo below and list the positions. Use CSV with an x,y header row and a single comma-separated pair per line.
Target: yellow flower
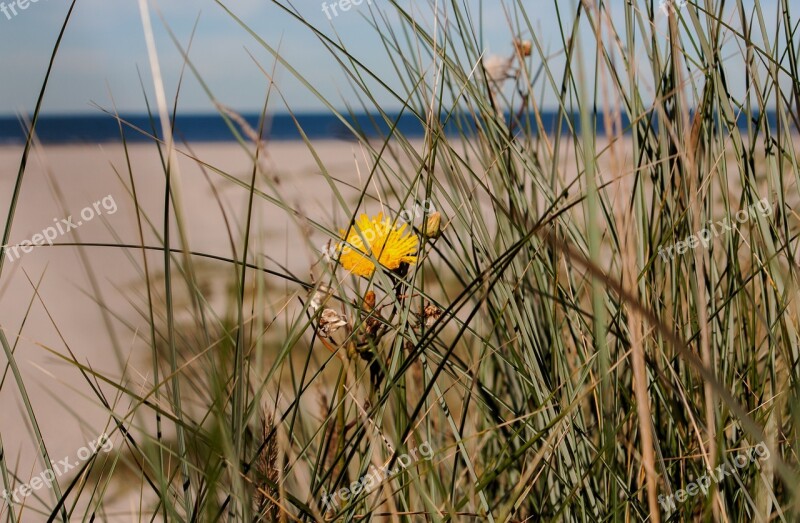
x,y
389,244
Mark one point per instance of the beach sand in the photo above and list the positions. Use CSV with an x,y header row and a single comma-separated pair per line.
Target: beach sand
x,y
76,285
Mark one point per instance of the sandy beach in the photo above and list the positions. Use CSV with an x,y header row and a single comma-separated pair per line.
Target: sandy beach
x,y
88,301
75,286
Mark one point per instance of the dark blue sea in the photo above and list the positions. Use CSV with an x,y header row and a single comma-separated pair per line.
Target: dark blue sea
x,y
213,128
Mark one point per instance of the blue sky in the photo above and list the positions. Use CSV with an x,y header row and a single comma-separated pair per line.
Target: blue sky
x,y
104,45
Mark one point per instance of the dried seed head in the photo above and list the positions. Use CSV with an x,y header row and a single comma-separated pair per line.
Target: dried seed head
x,y
497,68
433,227
329,322
369,300
321,295
266,470
430,314
373,321
523,47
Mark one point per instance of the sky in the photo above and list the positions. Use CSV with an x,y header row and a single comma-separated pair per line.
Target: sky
x,y
103,52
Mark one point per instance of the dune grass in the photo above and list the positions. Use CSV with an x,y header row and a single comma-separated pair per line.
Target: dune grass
x,y
556,365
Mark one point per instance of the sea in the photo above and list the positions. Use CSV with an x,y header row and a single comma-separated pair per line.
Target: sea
x,y
99,128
